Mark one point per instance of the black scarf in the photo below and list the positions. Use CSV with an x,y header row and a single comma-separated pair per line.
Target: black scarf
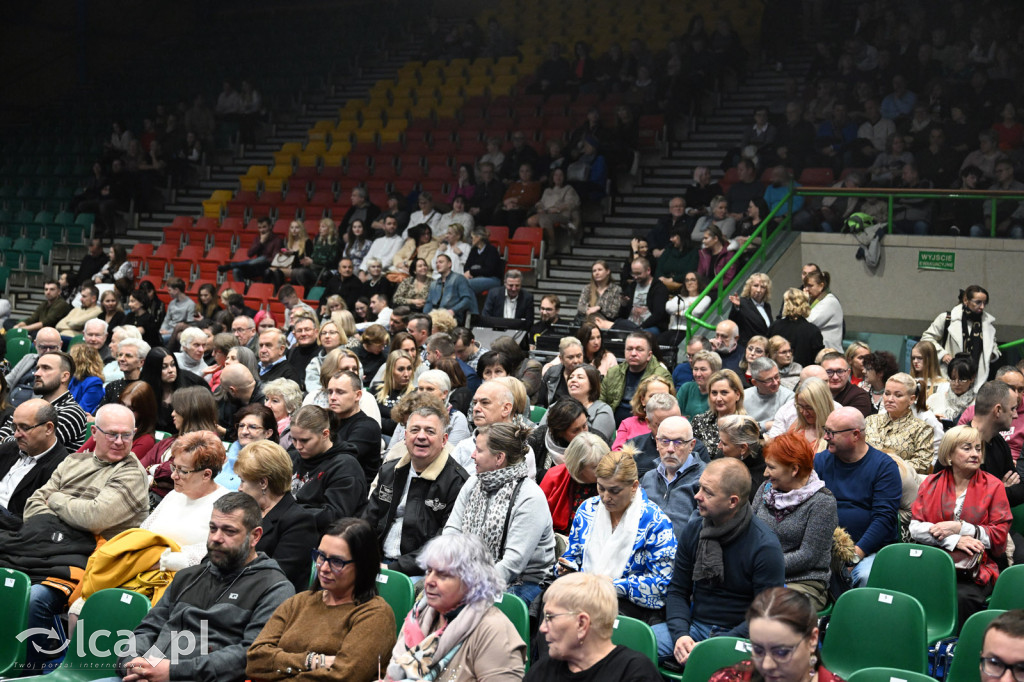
x,y
971,322
708,563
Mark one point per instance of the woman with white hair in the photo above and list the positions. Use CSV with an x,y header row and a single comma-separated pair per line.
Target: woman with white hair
x,y
455,632
193,347
283,397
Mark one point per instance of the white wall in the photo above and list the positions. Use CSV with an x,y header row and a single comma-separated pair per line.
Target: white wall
x,y
897,298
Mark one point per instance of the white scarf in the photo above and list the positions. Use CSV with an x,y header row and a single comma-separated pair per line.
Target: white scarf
x,y
607,551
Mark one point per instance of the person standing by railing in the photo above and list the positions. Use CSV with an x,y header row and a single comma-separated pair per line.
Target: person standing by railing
x,y
966,328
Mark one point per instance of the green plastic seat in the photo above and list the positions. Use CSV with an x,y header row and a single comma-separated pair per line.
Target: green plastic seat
x,y
636,635
873,627
315,293
537,413
1009,590
85,219
14,597
517,611
17,348
965,653
925,573
710,656
104,614
889,674
75,340
396,588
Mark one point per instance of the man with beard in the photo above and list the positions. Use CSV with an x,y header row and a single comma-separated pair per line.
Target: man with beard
x,y
223,603
53,373
550,307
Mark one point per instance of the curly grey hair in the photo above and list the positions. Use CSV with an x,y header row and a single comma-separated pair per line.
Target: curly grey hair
x,y
466,557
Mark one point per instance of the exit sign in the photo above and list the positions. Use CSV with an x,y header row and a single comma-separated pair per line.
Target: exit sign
x,y
936,260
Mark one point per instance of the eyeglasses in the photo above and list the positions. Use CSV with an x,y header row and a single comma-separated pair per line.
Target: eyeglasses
x,y
113,437
336,563
829,433
675,442
548,617
18,428
46,348
779,654
961,382
770,380
836,372
250,427
992,666
181,471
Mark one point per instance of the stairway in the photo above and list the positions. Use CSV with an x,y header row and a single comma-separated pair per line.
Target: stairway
x,y
637,210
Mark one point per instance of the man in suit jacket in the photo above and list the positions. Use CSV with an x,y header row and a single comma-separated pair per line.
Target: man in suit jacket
x,y
450,291
510,307
751,310
27,462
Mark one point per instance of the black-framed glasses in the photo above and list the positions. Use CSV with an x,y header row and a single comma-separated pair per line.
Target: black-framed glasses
x,y
992,666
829,433
336,563
836,372
25,429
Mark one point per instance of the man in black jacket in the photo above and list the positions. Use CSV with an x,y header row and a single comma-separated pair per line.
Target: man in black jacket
x,y
27,462
508,307
648,297
344,283
487,195
426,500
348,423
240,389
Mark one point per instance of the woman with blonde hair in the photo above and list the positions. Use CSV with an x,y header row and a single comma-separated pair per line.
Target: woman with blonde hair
x,y
757,347
86,386
896,430
693,395
813,406
323,258
397,382
751,310
601,297
571,483
924,366
636,424
855,354
330,336
805,338
297,247
725,397
577,622
739,437
621,534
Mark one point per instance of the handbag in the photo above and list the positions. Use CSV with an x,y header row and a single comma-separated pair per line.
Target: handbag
x,y
284,259
966,564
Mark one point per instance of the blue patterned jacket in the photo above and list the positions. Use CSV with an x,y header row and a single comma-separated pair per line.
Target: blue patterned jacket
x,y
649,570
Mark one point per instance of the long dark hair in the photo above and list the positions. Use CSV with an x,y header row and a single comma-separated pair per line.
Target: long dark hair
x,y
362,545
153,366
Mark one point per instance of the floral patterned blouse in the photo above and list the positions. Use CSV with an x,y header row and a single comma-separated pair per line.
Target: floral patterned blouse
x,y
907,437
610,302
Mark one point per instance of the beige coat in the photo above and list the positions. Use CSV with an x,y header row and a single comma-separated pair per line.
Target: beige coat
x,y
493,653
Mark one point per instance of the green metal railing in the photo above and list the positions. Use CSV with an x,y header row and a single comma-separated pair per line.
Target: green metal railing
x,y
766,233
759,240
892,194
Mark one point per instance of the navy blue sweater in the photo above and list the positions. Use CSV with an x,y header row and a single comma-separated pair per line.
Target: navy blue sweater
x,y
753,563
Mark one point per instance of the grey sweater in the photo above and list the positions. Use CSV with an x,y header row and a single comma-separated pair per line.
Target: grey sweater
x,y
530,544
675,498
805,534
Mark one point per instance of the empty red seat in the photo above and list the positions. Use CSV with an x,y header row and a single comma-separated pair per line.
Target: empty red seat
x,y
817,177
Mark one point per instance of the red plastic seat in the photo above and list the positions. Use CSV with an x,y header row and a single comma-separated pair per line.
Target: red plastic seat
x,y
520,256
534,235
182,265
817,177
261,290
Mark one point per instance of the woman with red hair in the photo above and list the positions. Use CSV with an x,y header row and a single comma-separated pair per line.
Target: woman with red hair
x,y
795,504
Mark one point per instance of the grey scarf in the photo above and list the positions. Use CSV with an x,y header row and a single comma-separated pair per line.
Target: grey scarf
x,y
708,563
488,505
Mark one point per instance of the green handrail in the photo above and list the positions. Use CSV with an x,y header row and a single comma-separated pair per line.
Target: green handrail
x,y
716,281
892,193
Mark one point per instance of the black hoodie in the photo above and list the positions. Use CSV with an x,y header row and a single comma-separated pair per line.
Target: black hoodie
x,y
331,484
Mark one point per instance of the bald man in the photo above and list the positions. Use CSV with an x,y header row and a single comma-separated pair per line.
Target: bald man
x,y
240,389
727,344
28,461
726,557
866,484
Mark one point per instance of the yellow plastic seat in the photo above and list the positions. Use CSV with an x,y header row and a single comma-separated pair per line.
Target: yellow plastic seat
x,y
213,206
247,183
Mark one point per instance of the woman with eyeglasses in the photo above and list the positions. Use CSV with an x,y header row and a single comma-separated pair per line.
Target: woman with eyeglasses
x,y
951,399
814,404
577,622
340,629
289,530
253,422
797,506
965,511
783,642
